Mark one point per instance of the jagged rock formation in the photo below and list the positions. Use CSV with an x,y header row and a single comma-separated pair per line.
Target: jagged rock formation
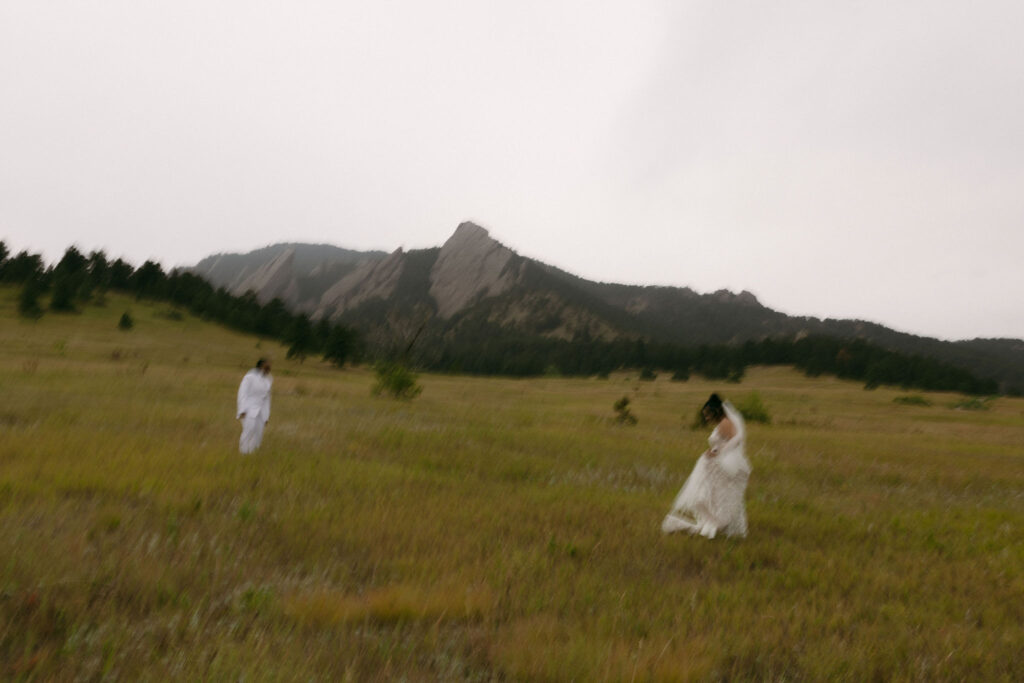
x,y
272,280
470,267
298,274
372,280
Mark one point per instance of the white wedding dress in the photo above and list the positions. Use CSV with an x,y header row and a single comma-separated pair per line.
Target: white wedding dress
x,y
711,500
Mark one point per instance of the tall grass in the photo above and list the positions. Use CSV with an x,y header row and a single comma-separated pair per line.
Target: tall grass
x,y
490,529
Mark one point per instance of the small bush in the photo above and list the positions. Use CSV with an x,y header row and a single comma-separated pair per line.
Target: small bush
x,y
126,322
623,416
648,375
397,380
912,400
974,404
681,375
752,409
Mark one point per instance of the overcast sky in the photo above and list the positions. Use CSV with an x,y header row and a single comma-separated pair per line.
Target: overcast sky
x,y
858,159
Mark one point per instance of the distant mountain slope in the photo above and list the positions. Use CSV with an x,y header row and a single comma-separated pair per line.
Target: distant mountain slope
x,y
298,274
475,288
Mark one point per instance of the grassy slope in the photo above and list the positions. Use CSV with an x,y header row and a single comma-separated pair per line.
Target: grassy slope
x,y
489,529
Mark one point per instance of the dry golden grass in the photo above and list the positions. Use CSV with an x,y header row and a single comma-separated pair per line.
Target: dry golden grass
x,y
490,529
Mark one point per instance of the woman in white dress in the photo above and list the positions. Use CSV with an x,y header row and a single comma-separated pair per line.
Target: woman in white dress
x,y
711,500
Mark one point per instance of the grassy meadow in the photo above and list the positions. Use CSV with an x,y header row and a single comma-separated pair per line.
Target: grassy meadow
x,y
490,529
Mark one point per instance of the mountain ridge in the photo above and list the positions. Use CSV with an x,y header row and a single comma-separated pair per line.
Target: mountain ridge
x,y
475,287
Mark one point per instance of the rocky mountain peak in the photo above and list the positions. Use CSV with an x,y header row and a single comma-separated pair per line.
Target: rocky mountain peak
x,y
747,297
727,297
470,266
468,230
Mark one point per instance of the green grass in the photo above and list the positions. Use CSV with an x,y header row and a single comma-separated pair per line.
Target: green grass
x,y
489,529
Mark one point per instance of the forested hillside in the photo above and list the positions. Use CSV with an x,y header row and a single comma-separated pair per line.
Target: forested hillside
x,y
470,343
474,293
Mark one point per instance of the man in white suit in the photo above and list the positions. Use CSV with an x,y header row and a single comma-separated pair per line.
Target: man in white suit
x,y
254,405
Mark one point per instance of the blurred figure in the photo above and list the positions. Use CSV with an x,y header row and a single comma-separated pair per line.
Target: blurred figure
x,y
254,405
711,500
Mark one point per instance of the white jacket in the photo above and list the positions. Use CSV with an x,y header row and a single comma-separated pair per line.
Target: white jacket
x,y
254,395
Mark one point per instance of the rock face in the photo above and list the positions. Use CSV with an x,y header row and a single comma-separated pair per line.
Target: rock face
x,y
297,273
273,280
374,279
470,267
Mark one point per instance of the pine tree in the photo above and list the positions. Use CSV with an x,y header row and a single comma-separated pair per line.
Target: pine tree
x,y
340,345
301,337
28,300
63,298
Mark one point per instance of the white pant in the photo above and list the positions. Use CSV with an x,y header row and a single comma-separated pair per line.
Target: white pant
x,y
252,433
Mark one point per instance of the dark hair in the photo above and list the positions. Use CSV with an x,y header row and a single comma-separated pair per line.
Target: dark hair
x,y
261,362
714,406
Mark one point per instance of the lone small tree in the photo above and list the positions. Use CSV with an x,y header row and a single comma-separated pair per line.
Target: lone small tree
x,y
753,409
126,322
397,380
394,376
623,415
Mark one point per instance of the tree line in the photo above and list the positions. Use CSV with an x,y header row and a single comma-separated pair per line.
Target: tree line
x,y
857,360
78,279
